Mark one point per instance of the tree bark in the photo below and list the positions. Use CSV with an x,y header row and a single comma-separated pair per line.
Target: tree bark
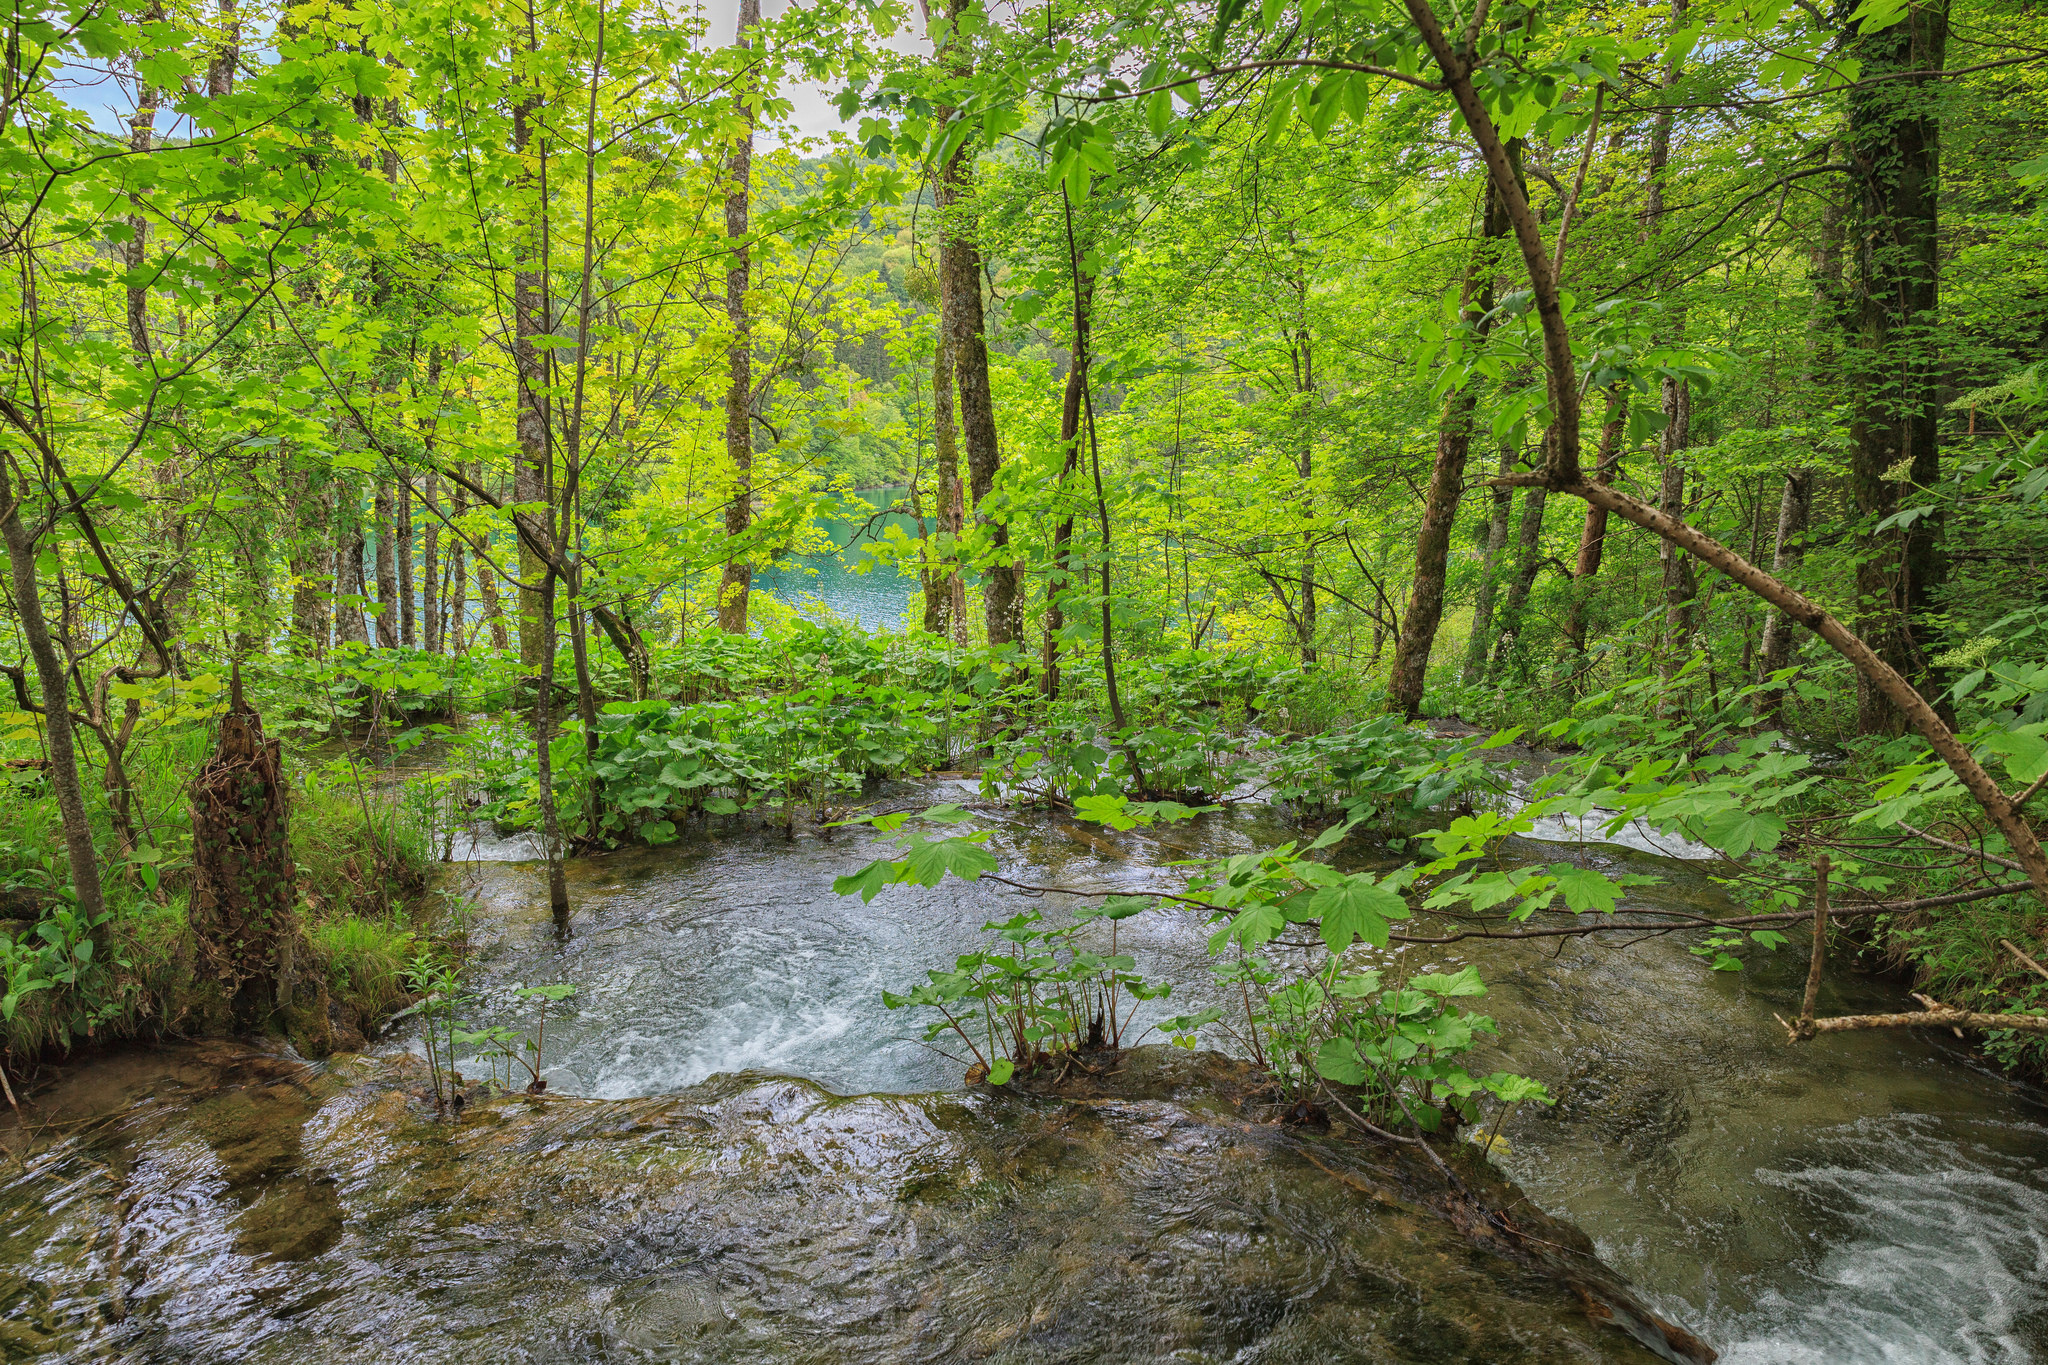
x,y
1303,354
1795,504
313,585
737,579
430,564
1893,141
1593,534
58,732
529,319
408,620
350,625
961,308
1410,669
1561,473
387,566
948,614
1502,509
1528,563
1065,559
1681,586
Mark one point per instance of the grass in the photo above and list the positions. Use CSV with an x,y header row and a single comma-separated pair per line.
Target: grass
x,y
364,908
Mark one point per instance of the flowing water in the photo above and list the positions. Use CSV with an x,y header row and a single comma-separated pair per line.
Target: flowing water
x,y
1865,1198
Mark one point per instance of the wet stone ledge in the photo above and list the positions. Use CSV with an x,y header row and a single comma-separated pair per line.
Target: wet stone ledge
x,y
214,1203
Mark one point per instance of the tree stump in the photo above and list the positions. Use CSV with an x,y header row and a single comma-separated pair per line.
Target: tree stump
x,y
244,886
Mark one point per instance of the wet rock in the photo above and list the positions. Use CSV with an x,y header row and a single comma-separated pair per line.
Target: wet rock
x,y
1148,1209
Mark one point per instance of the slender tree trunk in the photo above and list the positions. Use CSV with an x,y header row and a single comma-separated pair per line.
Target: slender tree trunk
x,y
349,623
1893,140
1681,587
529,319
1795,505
430,564
543,734
1496,541
1528,562
313,585
1795,511
1593,535
737,580
455,626
58,732
408,620
1410,669
141,138
387,566
1065,559
1305,470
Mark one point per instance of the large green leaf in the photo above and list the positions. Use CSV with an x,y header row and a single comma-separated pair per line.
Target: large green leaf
x,y
1358,907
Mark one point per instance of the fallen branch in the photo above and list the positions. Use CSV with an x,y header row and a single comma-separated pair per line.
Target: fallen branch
x,y
2014,949
1934,1015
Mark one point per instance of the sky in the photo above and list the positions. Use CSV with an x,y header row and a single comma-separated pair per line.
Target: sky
x,y
107,99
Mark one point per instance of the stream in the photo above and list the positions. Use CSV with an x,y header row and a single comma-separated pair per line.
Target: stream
x,y
771,1166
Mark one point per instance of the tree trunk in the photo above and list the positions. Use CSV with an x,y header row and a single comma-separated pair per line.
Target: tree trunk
x,y
349,623
1893,139
1528,562
1680,585
1561,473
737,580
244,881
1065,559
529,319
1593,535
1795,505
58,732
313,585
1795,511
1305,470
951,615
1410,669
387,566
1496,541
543,735
408,620
961,309
430,564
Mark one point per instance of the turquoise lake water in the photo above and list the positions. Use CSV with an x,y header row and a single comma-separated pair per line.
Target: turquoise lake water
x,y
848,581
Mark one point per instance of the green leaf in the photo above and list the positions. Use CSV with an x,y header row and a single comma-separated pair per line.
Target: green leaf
x,y
1001,1071
1338,1060
927,861
1737,831
2025,754
1356,908
1466,982
1585,889
869,881
1105,810
1509,1088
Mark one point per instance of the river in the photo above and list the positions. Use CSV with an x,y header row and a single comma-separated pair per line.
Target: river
x,y
1864,1199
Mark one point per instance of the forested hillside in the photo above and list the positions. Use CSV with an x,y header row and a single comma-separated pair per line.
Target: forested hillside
x,y
1254,387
